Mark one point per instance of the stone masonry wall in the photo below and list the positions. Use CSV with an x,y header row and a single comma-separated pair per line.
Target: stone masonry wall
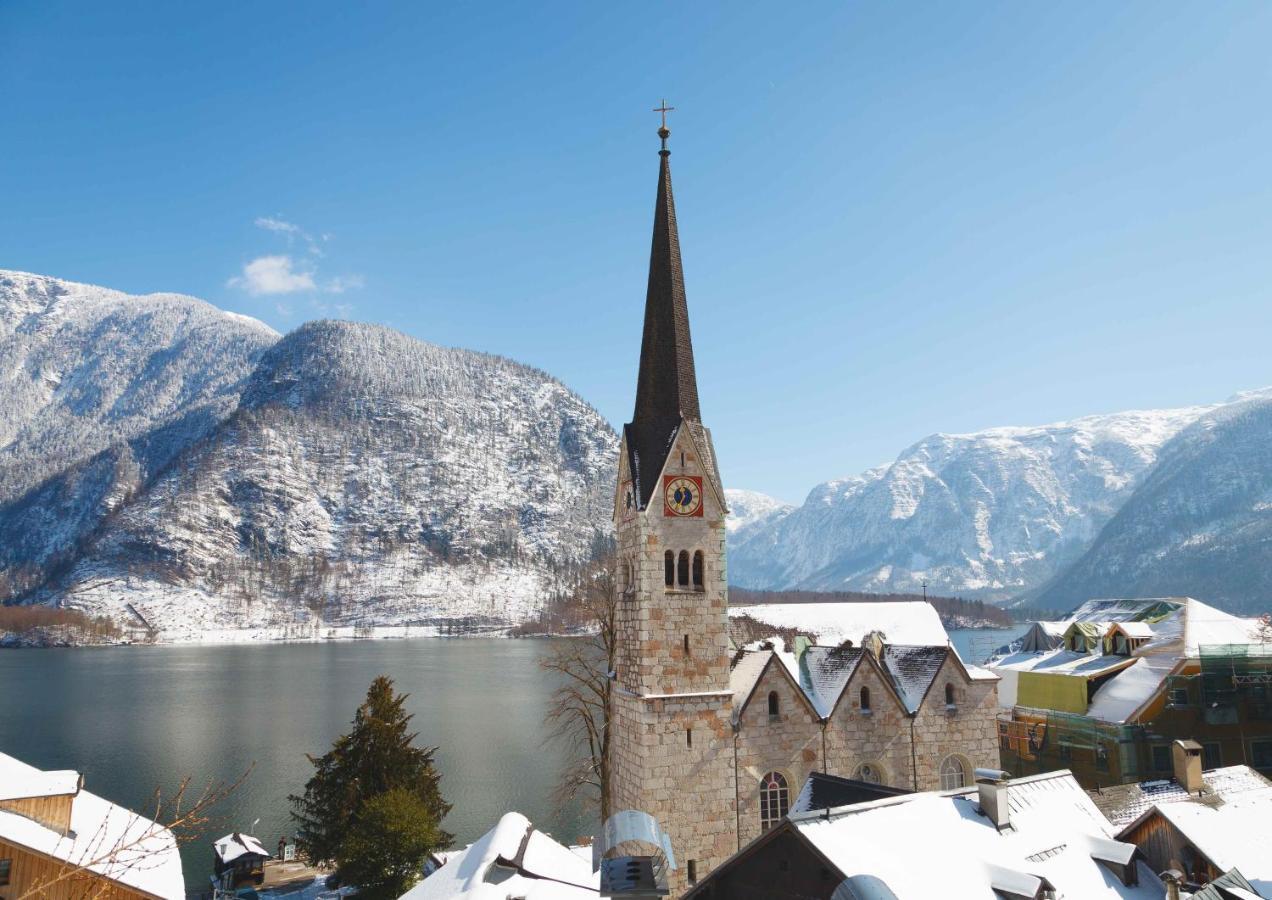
x,y
880,737
969,731
790,744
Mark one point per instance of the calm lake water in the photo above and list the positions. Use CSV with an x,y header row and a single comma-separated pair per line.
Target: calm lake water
x,y
134,719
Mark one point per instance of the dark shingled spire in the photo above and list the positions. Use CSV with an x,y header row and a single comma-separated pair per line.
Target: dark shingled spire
x,y
666,389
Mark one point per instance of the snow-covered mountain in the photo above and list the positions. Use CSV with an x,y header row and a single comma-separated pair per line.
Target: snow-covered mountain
x,y
100,391
344,474
988,515
1200,525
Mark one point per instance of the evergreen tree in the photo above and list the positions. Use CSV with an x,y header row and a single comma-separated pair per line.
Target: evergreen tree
x,y
376,757
384,852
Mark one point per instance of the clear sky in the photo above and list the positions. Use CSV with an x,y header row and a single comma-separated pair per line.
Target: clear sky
x,y
896,218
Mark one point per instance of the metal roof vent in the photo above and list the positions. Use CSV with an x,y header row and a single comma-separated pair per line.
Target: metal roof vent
x,y
621,854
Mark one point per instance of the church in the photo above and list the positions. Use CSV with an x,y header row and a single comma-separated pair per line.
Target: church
x,y
716,742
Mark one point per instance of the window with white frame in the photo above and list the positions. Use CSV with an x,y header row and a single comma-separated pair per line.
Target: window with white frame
x,y
953,774
775,800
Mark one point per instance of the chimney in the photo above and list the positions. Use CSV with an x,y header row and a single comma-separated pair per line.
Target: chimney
x,y
874,642
991,788
1187,758
1172,878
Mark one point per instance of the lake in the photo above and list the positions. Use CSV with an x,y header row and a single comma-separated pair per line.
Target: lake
x,y
134,719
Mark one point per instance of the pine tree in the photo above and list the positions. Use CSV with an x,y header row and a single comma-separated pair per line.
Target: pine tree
x,y
377,756
384,852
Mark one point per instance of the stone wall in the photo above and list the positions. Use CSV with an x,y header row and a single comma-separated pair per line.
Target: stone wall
x,y
880,737
791,744
969,730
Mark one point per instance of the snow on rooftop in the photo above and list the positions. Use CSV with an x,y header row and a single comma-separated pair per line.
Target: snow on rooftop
x,y
105,839
911,622
1130,689
1125,803
232,846
1232,835
511,860
40,784
1056,834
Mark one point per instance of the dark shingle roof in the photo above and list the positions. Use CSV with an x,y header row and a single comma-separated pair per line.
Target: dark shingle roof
x,y
912,670
823,673
823,791
667,388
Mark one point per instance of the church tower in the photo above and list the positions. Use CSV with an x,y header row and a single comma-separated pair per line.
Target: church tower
x,y
672,742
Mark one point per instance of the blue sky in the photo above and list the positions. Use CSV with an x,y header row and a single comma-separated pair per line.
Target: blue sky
x,y
896,218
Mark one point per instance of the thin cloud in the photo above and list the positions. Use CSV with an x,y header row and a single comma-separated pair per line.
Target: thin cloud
x,y
282,273
267,275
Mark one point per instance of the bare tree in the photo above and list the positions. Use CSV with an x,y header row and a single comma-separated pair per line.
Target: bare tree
x,y
582,701
115,851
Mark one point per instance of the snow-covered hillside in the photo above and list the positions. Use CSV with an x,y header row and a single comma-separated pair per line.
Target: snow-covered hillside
x,y
163,456
988,515
366,478
101,390
1200,525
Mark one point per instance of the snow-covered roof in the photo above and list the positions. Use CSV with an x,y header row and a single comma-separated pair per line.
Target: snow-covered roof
x,y
1233,834
232,846
912,670
1121,696
823,673
511,860
41,784
1124,610
1133,629
911,622
1124,803
105,839
1196,624
744,674
1057,834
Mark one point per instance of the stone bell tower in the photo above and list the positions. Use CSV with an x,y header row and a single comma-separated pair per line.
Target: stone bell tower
x,y
672,742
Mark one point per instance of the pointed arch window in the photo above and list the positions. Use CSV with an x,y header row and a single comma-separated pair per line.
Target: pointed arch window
x,y
683,580
775,799
865,699
669,563
699,564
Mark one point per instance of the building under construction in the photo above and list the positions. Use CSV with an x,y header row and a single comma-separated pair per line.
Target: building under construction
x,y
1110,700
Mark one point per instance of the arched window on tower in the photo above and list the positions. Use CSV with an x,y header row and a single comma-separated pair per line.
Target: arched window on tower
x,y
775,800
683,580
775,705
669,563
699,564
865,699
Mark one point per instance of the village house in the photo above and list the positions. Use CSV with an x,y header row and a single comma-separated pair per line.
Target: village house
x,y
715,745
1201,823
238,860
61,842
1022,839
1125,679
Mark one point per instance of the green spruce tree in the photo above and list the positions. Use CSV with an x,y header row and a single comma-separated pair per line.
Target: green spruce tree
x,y
384,852
375,758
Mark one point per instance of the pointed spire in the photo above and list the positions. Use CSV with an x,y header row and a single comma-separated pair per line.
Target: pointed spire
x,y
667,388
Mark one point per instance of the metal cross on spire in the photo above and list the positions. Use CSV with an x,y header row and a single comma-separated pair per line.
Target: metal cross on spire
x,y
663,131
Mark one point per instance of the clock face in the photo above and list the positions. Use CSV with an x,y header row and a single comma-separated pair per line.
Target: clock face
x,y
682,495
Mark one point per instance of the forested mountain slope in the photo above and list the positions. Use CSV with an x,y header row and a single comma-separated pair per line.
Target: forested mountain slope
x,y
100,391
366,477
